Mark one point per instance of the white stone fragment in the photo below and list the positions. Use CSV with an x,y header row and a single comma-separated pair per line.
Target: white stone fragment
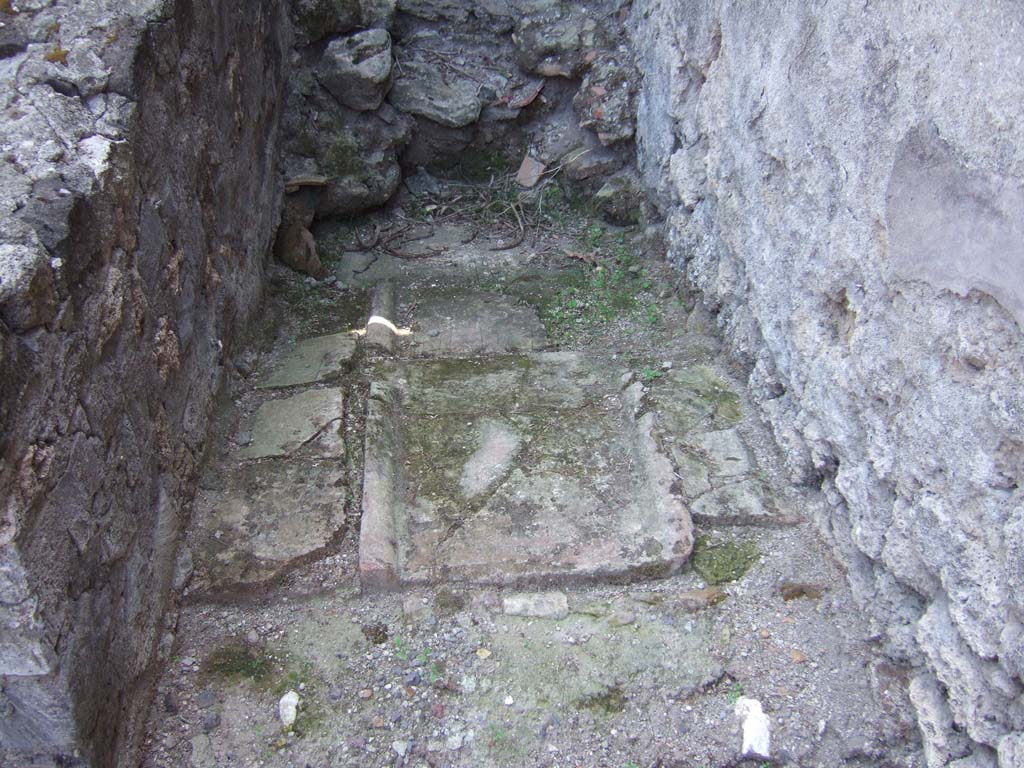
x,y
541,605
756,735
288,709
95,153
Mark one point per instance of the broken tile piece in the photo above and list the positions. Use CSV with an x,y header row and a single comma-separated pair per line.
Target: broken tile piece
x,y
530,172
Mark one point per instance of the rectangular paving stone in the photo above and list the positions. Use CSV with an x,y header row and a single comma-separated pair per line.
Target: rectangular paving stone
x,y
268,517
511,470
311,361
282,426
456,322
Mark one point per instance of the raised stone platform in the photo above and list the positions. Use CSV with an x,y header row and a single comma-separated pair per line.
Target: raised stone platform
x,y
528,468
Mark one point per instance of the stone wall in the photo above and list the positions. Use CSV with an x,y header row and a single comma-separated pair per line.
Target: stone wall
x,y
456,87
140,193
844,182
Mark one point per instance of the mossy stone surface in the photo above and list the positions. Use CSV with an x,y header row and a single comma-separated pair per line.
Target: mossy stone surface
x,y
514,469
722,561
695,398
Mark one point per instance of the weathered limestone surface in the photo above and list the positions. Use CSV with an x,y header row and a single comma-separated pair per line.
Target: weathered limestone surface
x,y
357,69
461,323
312,360
845,184
514,469
283,426
271,515
139,140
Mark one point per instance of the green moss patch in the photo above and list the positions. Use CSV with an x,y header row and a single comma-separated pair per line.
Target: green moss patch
x,y
719,562
320,310
343,156
237,661
611,701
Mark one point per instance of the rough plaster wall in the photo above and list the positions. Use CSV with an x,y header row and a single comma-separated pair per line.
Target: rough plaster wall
x,y
845,183
140,192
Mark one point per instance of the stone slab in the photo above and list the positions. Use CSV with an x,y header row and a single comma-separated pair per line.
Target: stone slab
x,y
432,253
691,472
459,323
516,469
273,515
311,361
740,503
726,452
695,398
715,470
313,418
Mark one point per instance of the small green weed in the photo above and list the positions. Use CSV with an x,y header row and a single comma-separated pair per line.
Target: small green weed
x,y
735,691
565,208
424,659
653,314
401,649
599,297
650,374
594,236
